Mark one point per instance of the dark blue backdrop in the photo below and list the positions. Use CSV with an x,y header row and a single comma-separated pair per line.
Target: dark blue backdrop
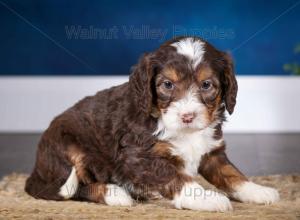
x,y
56,37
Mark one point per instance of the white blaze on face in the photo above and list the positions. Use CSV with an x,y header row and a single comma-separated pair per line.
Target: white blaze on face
x,y
191,48
190,103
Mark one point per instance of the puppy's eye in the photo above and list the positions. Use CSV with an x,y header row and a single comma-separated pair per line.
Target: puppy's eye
x,y
206,85
168,85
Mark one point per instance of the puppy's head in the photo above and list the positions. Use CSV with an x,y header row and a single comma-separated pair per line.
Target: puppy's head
x,y
186,82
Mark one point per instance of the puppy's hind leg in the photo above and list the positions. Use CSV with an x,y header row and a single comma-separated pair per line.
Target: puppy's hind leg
x,y
54,176
43,187
70,187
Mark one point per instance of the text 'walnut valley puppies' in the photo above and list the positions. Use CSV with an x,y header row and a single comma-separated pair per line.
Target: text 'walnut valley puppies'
x,y
153,134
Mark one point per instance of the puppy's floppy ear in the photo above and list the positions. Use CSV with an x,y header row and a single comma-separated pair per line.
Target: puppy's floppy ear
x,y
140,83
230,86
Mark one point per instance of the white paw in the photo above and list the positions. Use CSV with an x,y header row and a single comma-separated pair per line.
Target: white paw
x,y
193,196
254,193
70,187
117,196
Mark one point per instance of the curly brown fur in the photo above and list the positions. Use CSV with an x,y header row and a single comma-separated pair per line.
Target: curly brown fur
x,y
113,137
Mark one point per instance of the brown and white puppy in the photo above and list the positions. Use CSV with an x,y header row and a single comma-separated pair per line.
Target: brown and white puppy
x,y
153,134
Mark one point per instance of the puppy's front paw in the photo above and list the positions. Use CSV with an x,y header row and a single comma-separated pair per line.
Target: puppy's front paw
x,y
117,196
193,196
254,193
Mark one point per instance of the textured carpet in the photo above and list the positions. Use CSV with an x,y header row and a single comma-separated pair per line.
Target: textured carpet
x,y
15,203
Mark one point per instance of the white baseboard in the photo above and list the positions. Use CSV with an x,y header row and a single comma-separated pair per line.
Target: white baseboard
x,y
28,104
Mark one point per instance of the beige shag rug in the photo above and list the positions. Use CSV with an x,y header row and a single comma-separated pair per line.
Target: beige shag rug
x,y
16,204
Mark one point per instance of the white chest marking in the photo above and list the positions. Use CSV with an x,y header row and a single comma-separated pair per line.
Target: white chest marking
x,y
191,146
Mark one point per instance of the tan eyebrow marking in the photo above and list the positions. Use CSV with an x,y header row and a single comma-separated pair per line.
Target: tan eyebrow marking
x,y
204,73
171,74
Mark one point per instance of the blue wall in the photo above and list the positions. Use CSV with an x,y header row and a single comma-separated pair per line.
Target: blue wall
x,y
53,45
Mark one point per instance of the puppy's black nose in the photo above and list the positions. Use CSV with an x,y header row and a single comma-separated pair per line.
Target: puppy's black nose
x,y
188,117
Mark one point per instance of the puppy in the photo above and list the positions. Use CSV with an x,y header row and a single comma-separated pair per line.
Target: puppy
x,y
153,134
